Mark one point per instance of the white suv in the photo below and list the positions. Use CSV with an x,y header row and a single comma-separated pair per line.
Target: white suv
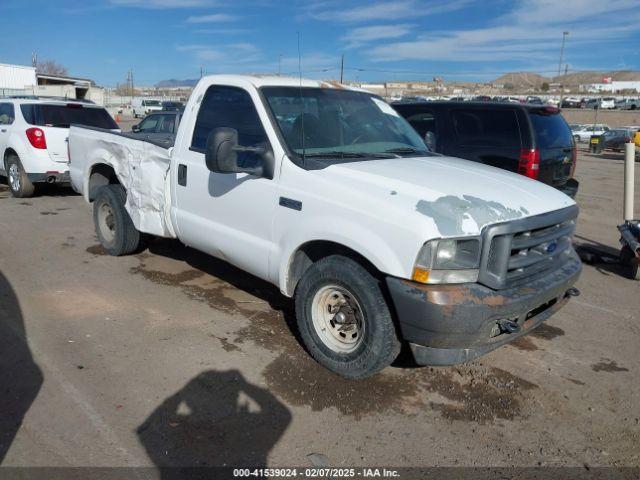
x,y
33,139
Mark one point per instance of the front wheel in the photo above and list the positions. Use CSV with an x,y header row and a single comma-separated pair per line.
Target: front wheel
x,y
343,318
19,183
114,227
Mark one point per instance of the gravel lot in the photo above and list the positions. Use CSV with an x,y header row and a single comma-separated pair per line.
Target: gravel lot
x,y
170,357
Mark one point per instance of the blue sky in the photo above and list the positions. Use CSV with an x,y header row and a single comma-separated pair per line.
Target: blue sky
x,y
381,40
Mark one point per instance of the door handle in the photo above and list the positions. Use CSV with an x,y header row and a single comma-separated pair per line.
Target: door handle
x,y
182,175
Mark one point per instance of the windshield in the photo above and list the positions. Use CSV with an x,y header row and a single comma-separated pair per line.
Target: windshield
x,y
151,103
63,116
334,123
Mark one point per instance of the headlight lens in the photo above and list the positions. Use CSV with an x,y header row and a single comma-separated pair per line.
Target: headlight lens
x,y
448,260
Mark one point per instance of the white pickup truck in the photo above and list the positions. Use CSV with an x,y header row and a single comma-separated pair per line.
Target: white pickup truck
x,y
329,194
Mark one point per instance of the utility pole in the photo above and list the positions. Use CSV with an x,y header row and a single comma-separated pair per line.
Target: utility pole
x,y
566,67
564,36
342,69
34,59
200,71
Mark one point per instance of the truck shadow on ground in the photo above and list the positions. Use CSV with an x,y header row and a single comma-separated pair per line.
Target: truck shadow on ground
x,y
472,392
217,419
20,376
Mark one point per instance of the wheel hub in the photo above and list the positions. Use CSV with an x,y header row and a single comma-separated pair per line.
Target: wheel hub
x,y
338,318
14,177
106,221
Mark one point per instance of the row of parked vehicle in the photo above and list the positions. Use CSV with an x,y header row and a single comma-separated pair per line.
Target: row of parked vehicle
x,y
606,103
363,218
613,138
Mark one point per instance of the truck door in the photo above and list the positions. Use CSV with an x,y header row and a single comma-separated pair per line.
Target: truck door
x,y
228,215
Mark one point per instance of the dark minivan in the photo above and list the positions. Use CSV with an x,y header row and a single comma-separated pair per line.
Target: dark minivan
x,y
533,140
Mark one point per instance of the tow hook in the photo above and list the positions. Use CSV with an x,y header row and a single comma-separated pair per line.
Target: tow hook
x,y
508,326
573,292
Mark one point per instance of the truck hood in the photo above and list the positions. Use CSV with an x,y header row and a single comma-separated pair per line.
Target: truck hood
x,y
460,197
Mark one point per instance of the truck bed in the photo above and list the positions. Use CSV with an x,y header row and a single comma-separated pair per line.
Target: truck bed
x,y
140,165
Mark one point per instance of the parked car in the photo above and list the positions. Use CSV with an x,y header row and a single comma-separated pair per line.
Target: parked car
x,y
615,138
160,128
602,103
377,240
33,139
628,103
533,140
168,106
575,126
571,103
585,133
534,100
143,106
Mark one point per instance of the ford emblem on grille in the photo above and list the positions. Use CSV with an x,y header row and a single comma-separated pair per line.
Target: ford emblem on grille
x,y
551,247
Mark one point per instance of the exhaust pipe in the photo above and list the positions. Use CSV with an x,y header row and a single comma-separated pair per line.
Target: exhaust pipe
x,y
51,179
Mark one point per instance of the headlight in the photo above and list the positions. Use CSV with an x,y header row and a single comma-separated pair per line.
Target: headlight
x,y
448,260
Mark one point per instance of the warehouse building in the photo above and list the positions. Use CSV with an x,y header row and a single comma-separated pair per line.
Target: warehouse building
x,y
23,80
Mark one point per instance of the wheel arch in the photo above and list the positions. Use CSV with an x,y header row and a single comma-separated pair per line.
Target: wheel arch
x,y
306,254
100,174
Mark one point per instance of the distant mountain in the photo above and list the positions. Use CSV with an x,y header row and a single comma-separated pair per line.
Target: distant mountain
x,y
173,83
521,79
527,79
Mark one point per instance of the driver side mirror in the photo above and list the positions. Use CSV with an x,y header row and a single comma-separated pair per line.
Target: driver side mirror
x,y
221,154
135,128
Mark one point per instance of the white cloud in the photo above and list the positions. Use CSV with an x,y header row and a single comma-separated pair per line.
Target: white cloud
x,y
234,54
381,10
531,32
212,18
361,35
160,4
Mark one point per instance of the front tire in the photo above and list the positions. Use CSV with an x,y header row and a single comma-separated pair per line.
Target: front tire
x,y
114,227
343,318
19,183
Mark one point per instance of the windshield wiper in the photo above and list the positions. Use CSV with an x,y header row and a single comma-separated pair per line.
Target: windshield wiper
x,y
407,150
338,154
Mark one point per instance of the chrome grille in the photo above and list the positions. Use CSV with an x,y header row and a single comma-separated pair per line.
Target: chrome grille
x,y
517,250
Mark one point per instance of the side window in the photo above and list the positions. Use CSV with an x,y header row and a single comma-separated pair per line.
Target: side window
x,y
149,124
7,113
166,123
487,128
425,124
229,107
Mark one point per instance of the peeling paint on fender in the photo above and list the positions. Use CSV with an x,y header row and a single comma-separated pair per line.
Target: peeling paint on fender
x,y
467,215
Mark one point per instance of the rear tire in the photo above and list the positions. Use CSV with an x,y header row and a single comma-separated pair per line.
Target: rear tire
x,y
19,183
344,319
114,227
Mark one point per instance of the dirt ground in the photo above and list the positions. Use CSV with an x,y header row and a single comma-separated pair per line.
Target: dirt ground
x,y
172,358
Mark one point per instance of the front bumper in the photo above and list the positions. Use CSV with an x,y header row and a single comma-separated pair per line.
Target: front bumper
x,y
50,177
450,324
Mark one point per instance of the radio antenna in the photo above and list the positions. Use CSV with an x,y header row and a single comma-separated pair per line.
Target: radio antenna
x,y
301,100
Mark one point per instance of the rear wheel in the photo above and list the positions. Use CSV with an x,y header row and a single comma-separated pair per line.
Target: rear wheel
x,y
19,183
114,227
344,319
